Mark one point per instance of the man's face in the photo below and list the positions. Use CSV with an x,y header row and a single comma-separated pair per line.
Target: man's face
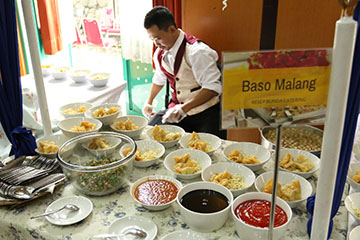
x,y
163,39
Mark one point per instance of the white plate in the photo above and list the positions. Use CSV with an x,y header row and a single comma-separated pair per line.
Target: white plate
x,y
184,235
66,217
123,224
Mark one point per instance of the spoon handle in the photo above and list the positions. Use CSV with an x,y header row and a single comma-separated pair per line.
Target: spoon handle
x,y
48,213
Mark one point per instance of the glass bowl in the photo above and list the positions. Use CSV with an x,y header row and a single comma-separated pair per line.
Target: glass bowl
x,y
96,174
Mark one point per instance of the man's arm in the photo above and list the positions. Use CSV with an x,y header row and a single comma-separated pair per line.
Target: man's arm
x,y
202,97
154,91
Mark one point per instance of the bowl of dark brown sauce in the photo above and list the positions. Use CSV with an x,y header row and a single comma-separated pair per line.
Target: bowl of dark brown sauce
x,y
204,206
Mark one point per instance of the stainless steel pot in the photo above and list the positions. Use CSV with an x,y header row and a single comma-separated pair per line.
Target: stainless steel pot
x,y
310,129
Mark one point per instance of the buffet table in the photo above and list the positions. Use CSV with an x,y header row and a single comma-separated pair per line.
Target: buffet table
x,y
15,220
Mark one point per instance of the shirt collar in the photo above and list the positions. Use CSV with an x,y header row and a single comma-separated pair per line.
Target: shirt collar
x,y
177,43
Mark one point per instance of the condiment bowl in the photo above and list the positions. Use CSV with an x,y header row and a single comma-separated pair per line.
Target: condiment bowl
x,y
68,123
285,178
106,119
212,140
60,72
144,146
248,177
112,143
198,220
79,75
202,159
250,232
158,194
93,175
75,109
352,204
351,173
263,154
99,79
295,153
58,139
139,121
167,128
355,233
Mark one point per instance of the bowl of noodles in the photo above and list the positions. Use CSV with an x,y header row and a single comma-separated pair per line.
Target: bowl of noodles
x,y
235,177
102,146
130,125
205,142
72,127
167,135
77,109
148,152
105,113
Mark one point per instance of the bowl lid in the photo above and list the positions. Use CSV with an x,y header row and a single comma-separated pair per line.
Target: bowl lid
x,y
95,151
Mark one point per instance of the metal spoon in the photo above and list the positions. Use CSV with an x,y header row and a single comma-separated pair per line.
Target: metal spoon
x,y
138,233
70,207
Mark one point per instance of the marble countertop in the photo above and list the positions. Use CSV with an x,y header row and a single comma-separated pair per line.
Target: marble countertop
x,y
15,220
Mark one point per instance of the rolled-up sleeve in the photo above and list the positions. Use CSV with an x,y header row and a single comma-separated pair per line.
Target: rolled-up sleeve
x,y
203,61
159,77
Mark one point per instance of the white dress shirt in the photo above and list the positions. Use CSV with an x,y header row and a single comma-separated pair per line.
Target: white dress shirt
x,y
202,59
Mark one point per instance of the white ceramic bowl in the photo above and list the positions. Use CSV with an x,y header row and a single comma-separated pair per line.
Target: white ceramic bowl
x,y
353,201
295,153
355,233
60,72
79,75
262,153
74,106
212,140
139,121
199,156
99,79
58,139
66,124
144,146
285,178
113,143
233,168
205,222
46,69
167,128
249,232
351,173
154,177
107,119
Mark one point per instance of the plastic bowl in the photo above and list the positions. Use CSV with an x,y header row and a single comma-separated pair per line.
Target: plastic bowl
x,y
295,153
106,119
233,168
249,232
158,207
245,148
351,173
74,106
144,146
66,124
285,178
199,156
205,222
139,121
94,175
58,139
212,140
99,79
167,128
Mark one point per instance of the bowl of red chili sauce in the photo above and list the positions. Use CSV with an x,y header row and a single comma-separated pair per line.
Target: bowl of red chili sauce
x,y
155,192
251,214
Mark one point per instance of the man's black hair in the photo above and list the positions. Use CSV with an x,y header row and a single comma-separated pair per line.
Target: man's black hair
x,y
161,17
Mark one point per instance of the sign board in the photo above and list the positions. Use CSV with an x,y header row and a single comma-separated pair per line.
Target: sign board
x,y
275,87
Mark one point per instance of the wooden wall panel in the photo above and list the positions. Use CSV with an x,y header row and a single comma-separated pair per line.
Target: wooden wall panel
x,y
235,29
306,23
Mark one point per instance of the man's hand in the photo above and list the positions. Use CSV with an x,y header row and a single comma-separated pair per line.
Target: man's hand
x,y
148,110
174,115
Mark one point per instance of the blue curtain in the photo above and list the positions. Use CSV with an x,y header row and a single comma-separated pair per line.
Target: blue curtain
x,y
22,140
352,110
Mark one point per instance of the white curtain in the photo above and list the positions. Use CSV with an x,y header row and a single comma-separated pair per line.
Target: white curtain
x,y
135,42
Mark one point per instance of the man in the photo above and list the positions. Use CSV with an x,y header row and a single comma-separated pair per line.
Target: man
x,y
190,67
